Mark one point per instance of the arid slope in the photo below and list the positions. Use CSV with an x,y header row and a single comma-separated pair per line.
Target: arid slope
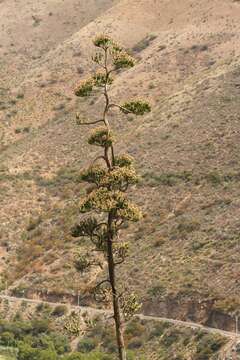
x,y
185,251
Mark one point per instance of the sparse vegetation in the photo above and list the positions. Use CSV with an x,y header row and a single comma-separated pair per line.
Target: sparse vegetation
x,y
59,310
187,152
144,43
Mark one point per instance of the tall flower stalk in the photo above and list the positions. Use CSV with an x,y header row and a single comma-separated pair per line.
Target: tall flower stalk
x,y
110,176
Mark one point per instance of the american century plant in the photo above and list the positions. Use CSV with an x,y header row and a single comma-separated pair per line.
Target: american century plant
x,y
110,176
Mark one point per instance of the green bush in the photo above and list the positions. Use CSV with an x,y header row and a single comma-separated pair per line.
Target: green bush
x,y
40,326
7,339
61,343
46,355
26,352
208,345
91,356
86,345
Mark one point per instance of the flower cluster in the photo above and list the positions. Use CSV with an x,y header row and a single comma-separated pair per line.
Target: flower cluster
x,y
115,201
130,305
103,41
137,107
94,174
122,60
115,178
74,324
130,212
119,176
101,137
123,160
121,250
100,79
85,88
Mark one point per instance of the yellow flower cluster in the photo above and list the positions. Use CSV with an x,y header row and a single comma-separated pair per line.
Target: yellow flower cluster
x,y
85,88
122,60
103,41
120,176
123,160
94,174
100,79
101,137
137,107
103,200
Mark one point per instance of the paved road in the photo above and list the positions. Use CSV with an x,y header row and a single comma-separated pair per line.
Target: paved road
x,y
95,311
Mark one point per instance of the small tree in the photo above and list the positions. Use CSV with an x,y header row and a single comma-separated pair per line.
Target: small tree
x,y
110,176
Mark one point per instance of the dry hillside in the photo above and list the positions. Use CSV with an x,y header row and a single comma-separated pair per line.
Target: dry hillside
x,y
184,260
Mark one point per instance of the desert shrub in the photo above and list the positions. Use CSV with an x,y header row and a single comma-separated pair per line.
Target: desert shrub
x,y
110,345
208,345
59,310
46,355
7,339
197,245
67,174
40,326
158,329
20,95
157,291
33,223
86,345
159,242
167,179
60,342
91,356
26,352
135,343
144,43
199,48
131,355
108,340
59,107
170,337
19,328
18,316
188,226
214,178
43,308
229,305
134,329
53,341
